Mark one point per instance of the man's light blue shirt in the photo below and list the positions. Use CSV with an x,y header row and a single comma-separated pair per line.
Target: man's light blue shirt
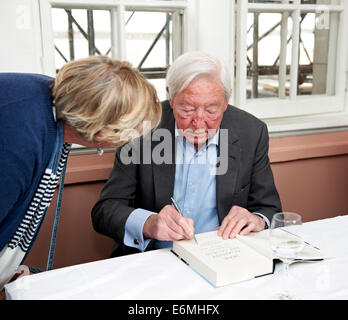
x,y
195,184
194,191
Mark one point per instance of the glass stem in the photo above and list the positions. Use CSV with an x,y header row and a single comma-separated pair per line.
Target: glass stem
x,y
286,269
286,276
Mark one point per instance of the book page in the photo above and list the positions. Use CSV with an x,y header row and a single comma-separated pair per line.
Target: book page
x,y
260,242
214,247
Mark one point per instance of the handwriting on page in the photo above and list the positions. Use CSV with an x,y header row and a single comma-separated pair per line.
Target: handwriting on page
x,y
218,249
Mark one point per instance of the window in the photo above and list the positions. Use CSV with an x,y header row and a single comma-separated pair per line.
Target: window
x,y
287,57
119,29
290,59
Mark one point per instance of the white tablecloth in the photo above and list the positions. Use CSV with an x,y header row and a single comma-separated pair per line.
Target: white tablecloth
x,y
161,275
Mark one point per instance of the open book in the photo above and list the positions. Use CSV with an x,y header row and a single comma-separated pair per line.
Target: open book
x,y
224,262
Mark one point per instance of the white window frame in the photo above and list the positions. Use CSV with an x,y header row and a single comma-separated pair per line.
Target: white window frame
x,y
117,9
227,40
295,112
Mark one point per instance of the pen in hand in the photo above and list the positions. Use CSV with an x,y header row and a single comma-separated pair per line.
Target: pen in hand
x,y
178,209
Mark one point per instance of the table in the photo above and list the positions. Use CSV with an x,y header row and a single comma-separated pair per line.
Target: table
x,y
160,275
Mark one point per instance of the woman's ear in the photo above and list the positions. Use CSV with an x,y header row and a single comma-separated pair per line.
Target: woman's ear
x,y
98,137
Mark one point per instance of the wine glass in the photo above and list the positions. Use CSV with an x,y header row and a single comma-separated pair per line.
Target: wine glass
x,y
285,244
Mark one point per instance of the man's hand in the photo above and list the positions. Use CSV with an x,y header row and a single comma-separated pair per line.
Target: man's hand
x,y
168,225
240,221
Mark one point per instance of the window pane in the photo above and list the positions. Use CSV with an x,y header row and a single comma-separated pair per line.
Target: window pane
x,y
315,59
149,45
148,38
79,33
263,54
316,65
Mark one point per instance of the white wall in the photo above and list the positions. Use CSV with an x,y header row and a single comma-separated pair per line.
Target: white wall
x,y
214,28
20,36
209,28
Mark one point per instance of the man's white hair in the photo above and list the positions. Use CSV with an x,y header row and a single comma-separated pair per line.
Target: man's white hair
x,y
192,64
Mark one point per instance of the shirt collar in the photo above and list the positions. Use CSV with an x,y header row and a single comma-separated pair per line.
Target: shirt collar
x,y
212,141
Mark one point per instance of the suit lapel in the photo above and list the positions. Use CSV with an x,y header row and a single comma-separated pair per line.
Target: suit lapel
x,y
226,183
164,173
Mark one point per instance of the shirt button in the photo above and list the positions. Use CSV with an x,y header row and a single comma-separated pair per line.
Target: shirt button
x,y
136,241
187,211
190,184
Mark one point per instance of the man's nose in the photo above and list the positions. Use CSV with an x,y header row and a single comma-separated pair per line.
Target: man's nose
x,y
198,119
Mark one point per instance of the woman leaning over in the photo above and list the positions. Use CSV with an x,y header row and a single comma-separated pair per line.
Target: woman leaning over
x,y
91,102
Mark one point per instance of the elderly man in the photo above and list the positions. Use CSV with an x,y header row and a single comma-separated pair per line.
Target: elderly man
x,y
214,164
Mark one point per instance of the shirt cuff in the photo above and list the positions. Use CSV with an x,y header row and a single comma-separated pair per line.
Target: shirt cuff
x,y
133,235
264,218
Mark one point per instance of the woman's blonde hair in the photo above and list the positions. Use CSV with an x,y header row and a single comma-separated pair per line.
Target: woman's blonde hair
x,y
98,93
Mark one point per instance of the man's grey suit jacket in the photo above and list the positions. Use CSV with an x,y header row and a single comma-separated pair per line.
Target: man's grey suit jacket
x,y
248,181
